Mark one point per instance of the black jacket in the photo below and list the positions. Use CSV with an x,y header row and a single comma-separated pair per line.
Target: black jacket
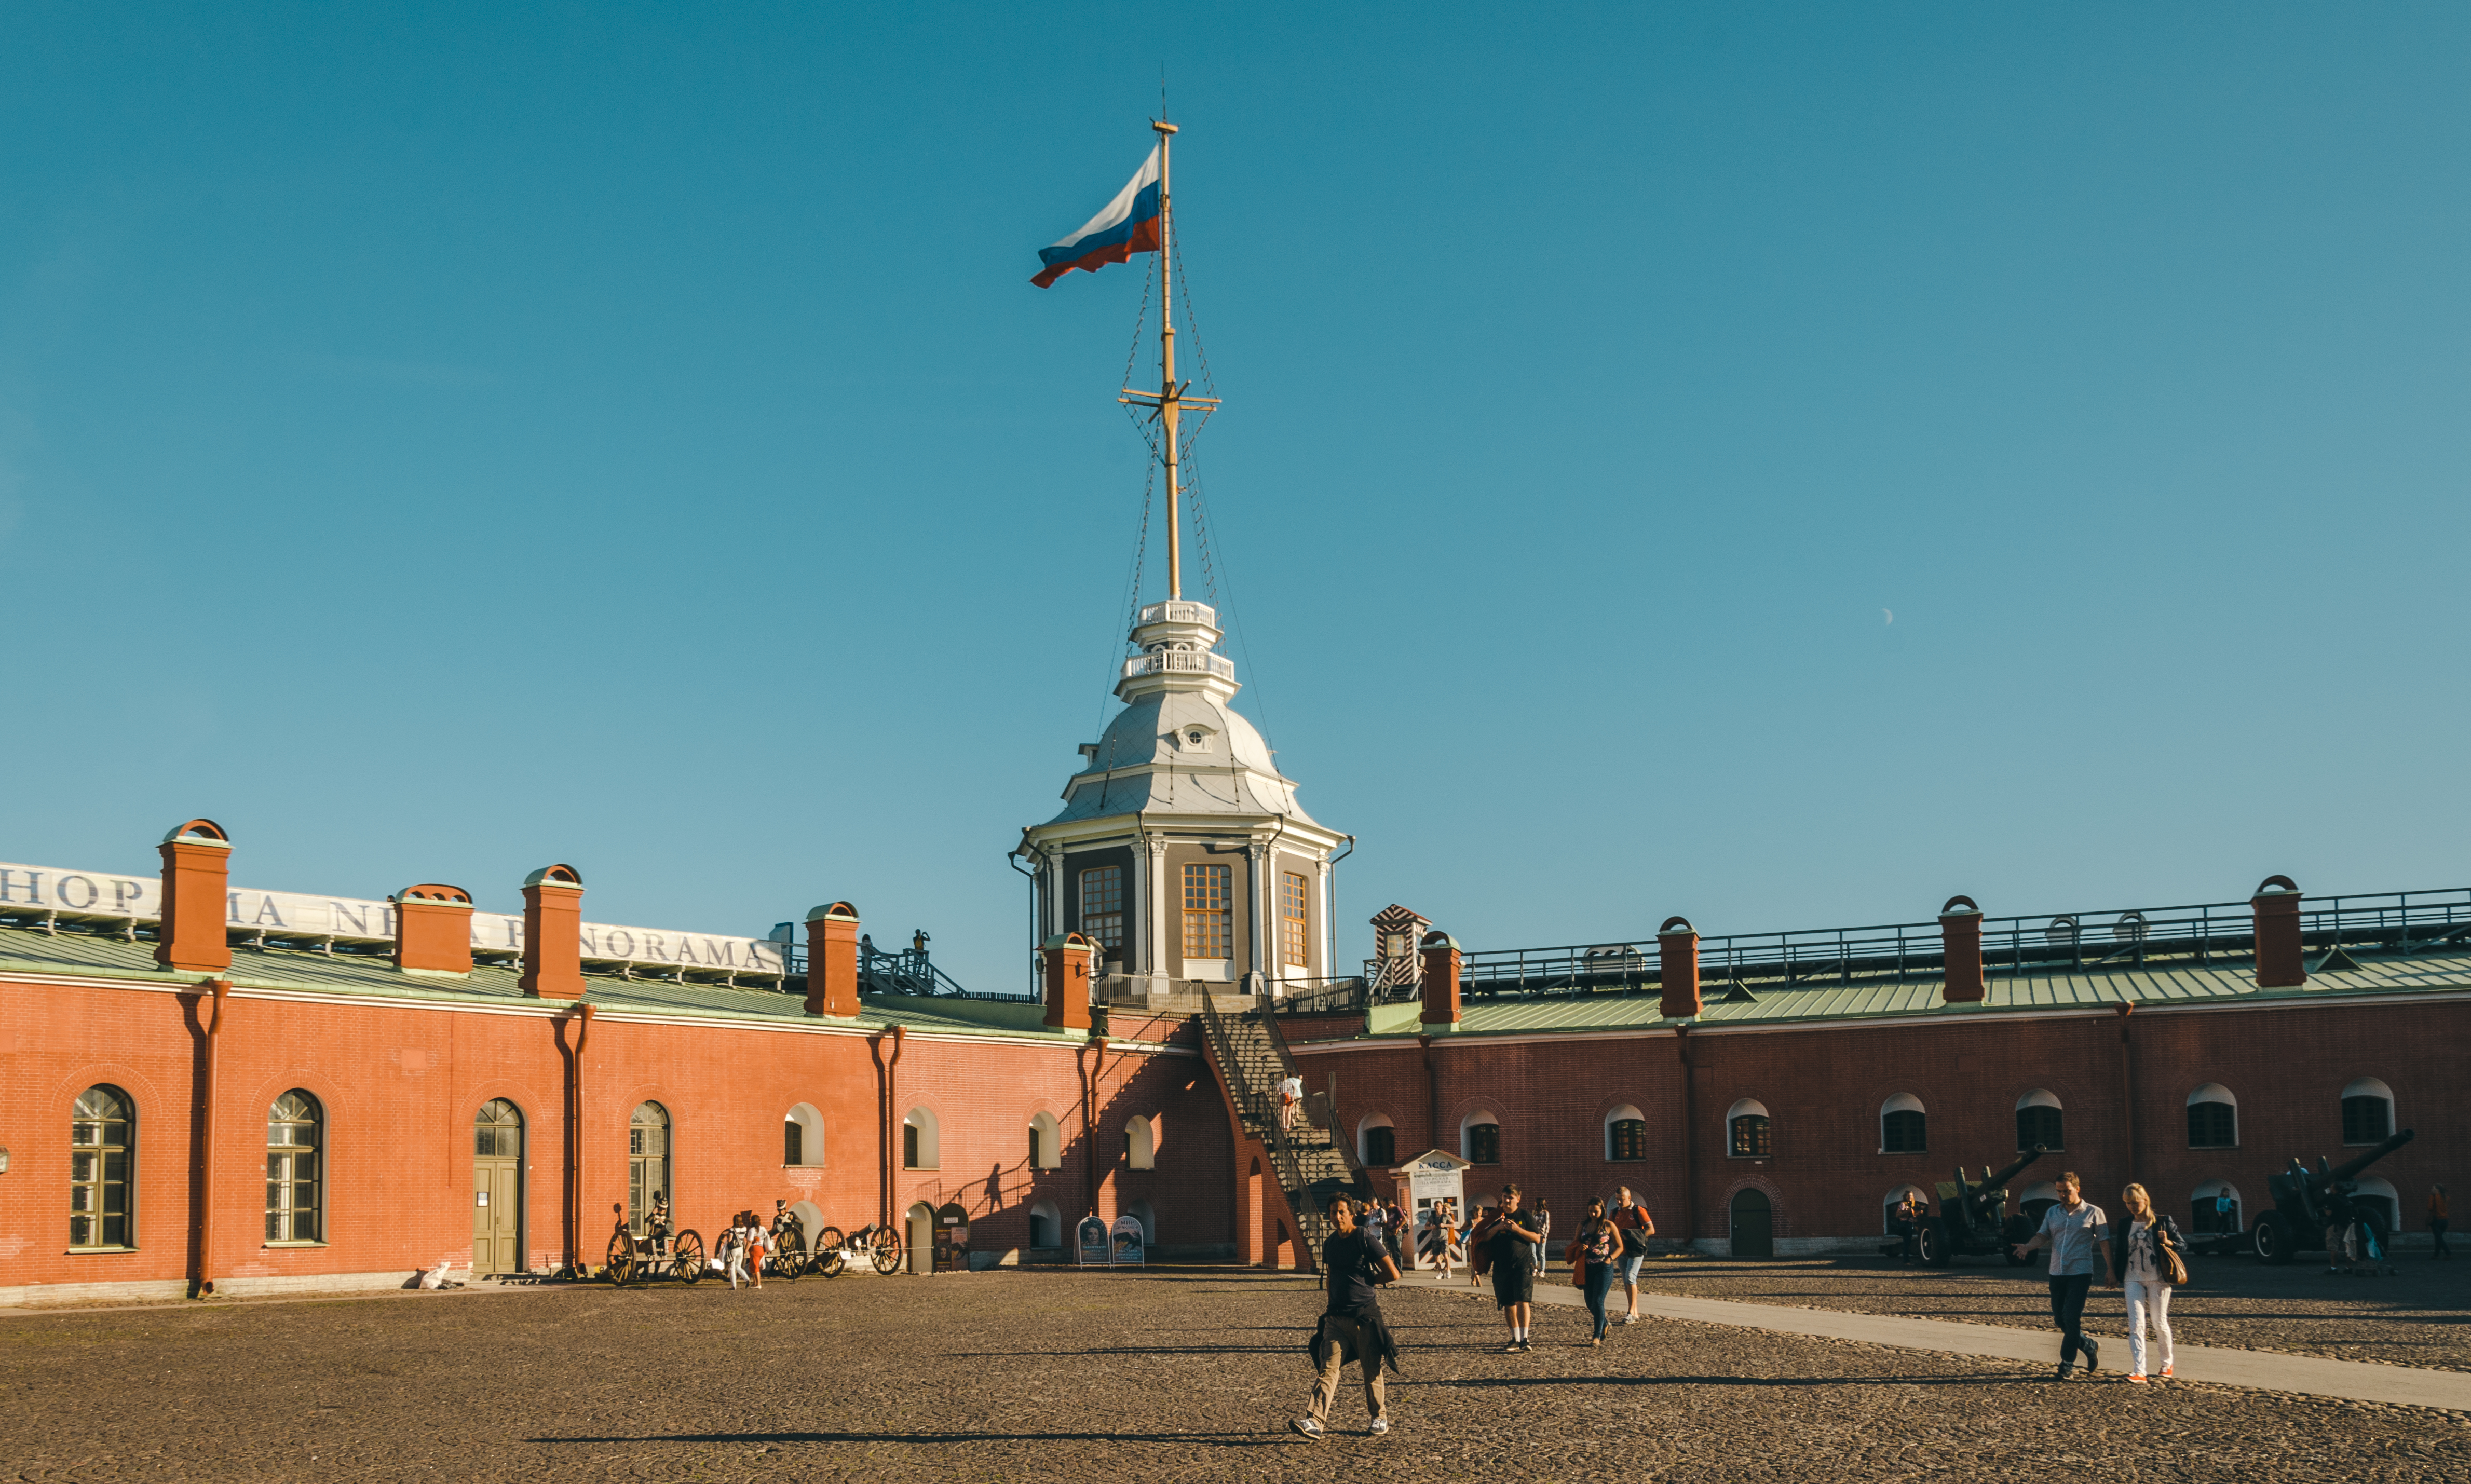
x,y
2163,1230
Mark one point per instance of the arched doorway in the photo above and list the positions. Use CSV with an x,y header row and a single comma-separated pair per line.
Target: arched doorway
x,y
648,1163
498,1188
1753,1225
918,1237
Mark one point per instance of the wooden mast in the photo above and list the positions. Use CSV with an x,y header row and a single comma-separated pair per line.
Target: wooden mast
x,y
1166,403
1167,366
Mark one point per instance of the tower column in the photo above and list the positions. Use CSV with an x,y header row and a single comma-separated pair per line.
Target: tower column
x,y
1323,894
1055,889
1154,870
1257,869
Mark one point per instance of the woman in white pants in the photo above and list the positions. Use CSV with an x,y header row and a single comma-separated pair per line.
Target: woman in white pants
x,y
2146,1275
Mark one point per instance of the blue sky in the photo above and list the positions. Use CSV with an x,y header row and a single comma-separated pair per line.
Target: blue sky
x,y
439,441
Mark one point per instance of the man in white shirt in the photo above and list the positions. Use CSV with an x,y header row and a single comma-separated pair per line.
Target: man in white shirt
x,y
2073,1229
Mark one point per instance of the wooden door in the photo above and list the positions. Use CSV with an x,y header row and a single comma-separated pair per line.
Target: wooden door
x,y
1753,1225
498,1189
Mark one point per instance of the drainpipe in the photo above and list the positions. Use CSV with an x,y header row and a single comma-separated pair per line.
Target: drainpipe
x,y
1097,1065
1433,1092
886,1087
581,1020
1689,1144
2127,1088
205,1176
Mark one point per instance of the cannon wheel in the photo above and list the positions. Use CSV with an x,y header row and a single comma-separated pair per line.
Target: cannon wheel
x,y
1936,1249
622,1258
825,1258
788,1255
885,1252
688,1259
2272,1240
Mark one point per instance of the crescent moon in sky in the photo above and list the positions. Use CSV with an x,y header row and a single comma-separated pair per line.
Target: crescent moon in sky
x,y
1891,613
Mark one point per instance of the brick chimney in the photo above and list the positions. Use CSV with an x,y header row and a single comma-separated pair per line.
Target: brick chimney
x,y
1066,958
196,883
1677,944
2279,962
1960,935
1441,991
832,960
554,933
433,928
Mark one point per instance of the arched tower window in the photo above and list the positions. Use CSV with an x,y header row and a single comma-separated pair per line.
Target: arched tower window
x,y
102,1143
919,1149
295,1138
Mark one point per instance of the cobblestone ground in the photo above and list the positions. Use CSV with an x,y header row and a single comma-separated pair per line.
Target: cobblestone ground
x,y
2419,1317
1022,1377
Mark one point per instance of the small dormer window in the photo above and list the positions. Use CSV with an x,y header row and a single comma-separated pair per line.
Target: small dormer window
x,y
1193,737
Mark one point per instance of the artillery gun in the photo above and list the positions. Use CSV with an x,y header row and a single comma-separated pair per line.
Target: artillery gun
x,y
2309,1205
1973,1219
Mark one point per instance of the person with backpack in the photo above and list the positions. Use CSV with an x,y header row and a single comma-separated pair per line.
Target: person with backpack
x,y
1631,1219
2152,1261
1353,1266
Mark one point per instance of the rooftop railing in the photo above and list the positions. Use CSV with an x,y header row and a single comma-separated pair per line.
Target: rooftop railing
x,y
1177,611
2202,933
1169,662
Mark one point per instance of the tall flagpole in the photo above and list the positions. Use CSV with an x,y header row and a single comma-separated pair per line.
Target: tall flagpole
x,y
1167,409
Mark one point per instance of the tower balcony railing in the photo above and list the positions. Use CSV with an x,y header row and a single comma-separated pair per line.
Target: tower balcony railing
x,y
1171,662
1177,611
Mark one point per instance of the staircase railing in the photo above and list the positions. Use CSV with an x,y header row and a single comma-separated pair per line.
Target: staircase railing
x,y
1259,1110
1326,1117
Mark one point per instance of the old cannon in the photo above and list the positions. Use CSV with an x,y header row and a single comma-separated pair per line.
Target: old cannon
x,y
2311,1209
1973,1219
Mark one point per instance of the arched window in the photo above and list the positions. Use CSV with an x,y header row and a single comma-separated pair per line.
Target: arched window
x,y
2037,1121
648,1161
498,1131
2378,1197
1046,1226
1140,1147
918,1143
1625,1134
1376,1143
2368,1112
1903,1127
2213,1118
802,1137
295,1135
1045,1144
1898,1197
1480,1139
103,1142
1747,1135
2208,1216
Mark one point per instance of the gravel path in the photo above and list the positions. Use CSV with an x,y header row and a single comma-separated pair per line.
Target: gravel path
x,y
2421,1317
1019,1376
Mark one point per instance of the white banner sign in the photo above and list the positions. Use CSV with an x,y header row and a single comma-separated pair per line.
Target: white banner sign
x,y
43,888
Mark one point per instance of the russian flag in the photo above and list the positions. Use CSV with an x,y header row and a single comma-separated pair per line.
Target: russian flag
x,y
1129,224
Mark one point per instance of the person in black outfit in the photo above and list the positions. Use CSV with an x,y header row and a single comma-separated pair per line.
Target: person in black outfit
x,y
1516,1242
1351,1328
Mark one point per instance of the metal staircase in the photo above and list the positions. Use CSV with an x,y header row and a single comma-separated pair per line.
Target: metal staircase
x,y
1313,1163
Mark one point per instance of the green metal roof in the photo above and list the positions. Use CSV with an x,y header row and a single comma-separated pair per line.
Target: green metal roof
x,y
31,951
1772,1003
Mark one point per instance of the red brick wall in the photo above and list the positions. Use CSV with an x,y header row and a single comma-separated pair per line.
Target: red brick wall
x,y
1824,1087
399,1086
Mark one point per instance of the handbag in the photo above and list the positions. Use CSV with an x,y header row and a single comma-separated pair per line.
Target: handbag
x,y
2174,1272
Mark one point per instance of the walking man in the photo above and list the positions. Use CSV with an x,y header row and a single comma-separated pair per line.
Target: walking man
x,y
1514,1245
1636,1226
1351,1327
2079,1236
